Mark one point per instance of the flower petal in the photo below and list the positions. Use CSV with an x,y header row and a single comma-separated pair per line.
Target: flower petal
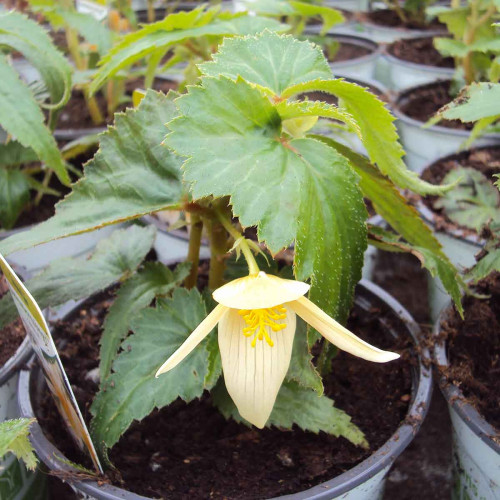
x,y
253,375
338,335
259,292
201,331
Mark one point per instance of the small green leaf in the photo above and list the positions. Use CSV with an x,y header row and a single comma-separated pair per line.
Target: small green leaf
x,y
174,30
301,368
488,264
22,118
14,154
134,295
299,406
132,174
14,438
14,195
75,278
131,392
474,203
479,100
272,61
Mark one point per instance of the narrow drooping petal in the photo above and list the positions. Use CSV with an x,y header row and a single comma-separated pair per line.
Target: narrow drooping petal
x,y
201,331
338,335
253,375
259,292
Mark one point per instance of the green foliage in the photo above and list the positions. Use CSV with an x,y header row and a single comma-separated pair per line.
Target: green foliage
x,y
474,203
296,405
478,102
114,259
175,29
131,392
132,174
14,438
475,39
14,195
135,294
488,264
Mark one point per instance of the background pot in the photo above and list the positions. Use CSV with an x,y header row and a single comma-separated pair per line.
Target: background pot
x,y
476,456
16,482
425,145
398,74
36,258
460,249
363,482
360,68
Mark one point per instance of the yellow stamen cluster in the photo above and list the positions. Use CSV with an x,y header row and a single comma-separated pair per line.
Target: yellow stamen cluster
x,y
258,319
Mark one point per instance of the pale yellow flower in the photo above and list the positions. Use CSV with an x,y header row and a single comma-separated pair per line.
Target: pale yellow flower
x,y
257,318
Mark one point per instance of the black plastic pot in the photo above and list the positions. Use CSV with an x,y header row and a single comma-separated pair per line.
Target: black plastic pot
x,y
365,481
476,444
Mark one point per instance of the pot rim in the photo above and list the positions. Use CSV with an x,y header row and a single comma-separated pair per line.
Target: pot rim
x,y
368,293
403,97
413,65
428,214
16,361
455,397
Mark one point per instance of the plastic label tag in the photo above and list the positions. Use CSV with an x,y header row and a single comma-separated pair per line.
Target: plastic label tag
x,y
95,9
45,349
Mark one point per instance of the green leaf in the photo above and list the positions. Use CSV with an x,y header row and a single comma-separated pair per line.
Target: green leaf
x,y
330,16
299,406
21,117
284,67
132,174
474,203
455,19
131,392
75,278
479,100
14,154
135,294
296,188
14,438
301,368
275,62
377,129
92,30
451,48
27,37
436,263
174,30
14,195
488,264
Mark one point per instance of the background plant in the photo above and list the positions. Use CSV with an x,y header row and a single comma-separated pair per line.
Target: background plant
x,y
28,136
237,154
412,12
475,42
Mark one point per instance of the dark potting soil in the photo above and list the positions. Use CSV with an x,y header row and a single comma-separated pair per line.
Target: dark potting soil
x,y
485,160
424,469
425,101
190,451
474,349
75,114
12,335
348,52
419,51
389,19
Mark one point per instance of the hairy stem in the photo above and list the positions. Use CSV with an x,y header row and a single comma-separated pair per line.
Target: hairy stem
x,y
194,251
218,247
151,12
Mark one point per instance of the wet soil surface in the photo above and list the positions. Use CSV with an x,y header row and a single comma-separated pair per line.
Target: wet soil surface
x,y
419,51
424,468
424,102
190,451
474,349
389,19
12,336
485,160
75,114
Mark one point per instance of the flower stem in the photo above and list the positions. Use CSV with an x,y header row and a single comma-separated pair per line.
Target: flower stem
x,y
218,247
194,251
253,267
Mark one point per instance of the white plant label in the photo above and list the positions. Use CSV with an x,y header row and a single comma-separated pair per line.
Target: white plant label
x,y
53,370
95,9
